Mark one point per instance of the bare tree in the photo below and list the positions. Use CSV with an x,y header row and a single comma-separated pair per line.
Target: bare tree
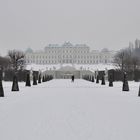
x,y
135,62
17,59
119,59
128,58
4,62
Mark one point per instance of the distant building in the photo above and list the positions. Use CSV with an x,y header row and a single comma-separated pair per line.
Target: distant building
x,y
69,53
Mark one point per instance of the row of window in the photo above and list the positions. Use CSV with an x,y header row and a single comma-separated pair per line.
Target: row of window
x,y
74,60
66,56
66,51
67,61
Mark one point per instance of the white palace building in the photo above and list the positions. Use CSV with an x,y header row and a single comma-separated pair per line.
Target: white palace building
x,y
68,53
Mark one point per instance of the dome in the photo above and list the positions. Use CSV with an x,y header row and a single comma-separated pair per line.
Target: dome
x,y
104,50
29,50
67,44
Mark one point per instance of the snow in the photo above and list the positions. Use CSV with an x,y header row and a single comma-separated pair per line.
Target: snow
x,y
93,67
62,110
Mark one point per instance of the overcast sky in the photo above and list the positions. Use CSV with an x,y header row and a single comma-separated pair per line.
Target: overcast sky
x,y
98,23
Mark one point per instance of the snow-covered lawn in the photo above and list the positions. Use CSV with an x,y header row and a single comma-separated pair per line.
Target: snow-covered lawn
x,y
91,67
61,110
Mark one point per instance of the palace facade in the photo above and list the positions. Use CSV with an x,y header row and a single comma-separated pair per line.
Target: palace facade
x,y
69,53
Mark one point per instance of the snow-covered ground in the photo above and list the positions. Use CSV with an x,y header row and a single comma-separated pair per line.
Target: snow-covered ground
x,y
93,67
62,110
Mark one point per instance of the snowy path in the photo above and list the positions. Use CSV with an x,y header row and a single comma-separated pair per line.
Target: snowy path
x,y
61,110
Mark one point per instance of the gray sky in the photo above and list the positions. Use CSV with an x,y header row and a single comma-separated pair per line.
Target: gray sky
x,y
98,23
